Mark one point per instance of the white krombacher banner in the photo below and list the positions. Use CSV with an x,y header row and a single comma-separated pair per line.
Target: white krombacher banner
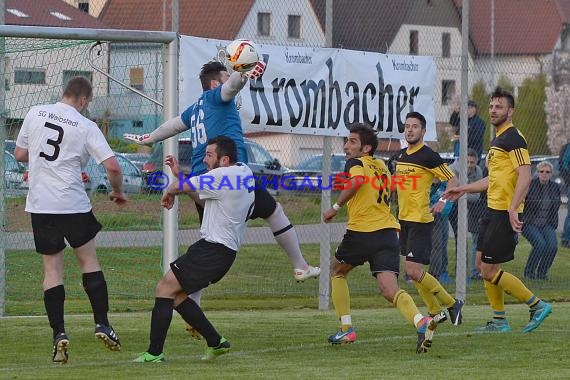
x,y
319,91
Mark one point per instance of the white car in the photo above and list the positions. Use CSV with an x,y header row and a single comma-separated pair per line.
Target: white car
x,y
95,176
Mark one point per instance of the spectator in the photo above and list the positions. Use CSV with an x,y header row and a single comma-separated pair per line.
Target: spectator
x,y
475,207
475,129
564,167
440,234
540,222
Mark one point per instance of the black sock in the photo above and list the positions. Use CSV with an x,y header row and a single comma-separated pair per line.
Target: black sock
x,y
96,288
195,317
159,324
54,299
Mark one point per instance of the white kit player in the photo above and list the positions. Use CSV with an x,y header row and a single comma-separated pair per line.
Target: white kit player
x,y
57,141
228,203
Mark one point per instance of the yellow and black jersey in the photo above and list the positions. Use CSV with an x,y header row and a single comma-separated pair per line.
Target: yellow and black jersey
x,y
369,208
507,151
415,171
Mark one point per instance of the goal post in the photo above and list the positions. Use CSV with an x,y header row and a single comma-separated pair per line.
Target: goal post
x,y
76,39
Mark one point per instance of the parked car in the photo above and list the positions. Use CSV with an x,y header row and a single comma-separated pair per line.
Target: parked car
x,y
307,175
95,176
260,161
14,175
138,158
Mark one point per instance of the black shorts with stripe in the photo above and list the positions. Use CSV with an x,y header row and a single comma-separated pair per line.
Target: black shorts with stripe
x,y
51,231
204,263
378,248
415,241
497,240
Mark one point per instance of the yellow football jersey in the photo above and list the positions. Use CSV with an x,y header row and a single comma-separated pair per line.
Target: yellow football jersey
x,y
507,151
369,208
415,171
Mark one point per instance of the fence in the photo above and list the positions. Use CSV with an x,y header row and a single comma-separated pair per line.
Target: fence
x,y
36,68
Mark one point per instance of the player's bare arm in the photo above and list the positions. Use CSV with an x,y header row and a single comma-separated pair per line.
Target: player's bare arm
x,y
21,154
458,191
521,188
439,205
350,188
115,176
173,164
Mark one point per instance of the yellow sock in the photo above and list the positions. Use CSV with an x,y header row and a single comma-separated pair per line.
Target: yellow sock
x,y
406,306
341,299
430,300
512,285
430,284
496,297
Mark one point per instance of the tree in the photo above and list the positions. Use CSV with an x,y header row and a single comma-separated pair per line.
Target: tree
x,y
505,83
530,116
557,107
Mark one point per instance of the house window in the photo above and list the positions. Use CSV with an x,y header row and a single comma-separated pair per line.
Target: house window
x,y
136,76
68,74
414,42
446,45
137,124
294,26
447,91
263,24
30,76
83,6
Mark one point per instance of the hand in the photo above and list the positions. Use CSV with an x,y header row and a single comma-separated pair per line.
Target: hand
x,y
453,194
119,198
436,208
167,200
172,163
455,138
329,215
516,224
139,139
257,71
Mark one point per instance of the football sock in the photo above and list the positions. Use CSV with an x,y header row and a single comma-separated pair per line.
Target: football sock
x,y
159,324
513,286
286,236
194,316
340,297
429,299
496,297
96,288
406,306
54,299
430,284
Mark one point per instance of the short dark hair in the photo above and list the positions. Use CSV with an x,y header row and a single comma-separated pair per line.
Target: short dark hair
x,y
419,116
502,93
367,135
210,71
472,153
225,146
78,87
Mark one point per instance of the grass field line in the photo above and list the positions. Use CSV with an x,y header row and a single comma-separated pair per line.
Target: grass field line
x,y
289,348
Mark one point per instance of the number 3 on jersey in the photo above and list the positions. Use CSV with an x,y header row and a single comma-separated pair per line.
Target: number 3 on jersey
x,y
54,143
197,129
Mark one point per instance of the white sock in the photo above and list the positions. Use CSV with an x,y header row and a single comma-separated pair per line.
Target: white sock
x,y
196,296
286,236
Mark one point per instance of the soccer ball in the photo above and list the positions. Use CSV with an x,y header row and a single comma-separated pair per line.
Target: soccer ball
x,y
242,55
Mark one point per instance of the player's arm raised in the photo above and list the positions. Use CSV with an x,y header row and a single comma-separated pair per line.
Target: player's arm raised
x,y
168,129
238,80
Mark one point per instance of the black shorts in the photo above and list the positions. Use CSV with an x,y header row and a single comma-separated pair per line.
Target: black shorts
x,y
204,263
50,230
265,205
497,240
379,248
415,241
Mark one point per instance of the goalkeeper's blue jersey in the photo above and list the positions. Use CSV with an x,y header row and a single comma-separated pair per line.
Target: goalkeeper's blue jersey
x,y
210,117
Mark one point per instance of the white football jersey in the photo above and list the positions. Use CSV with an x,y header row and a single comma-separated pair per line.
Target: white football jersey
x,y
229,195
59,141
